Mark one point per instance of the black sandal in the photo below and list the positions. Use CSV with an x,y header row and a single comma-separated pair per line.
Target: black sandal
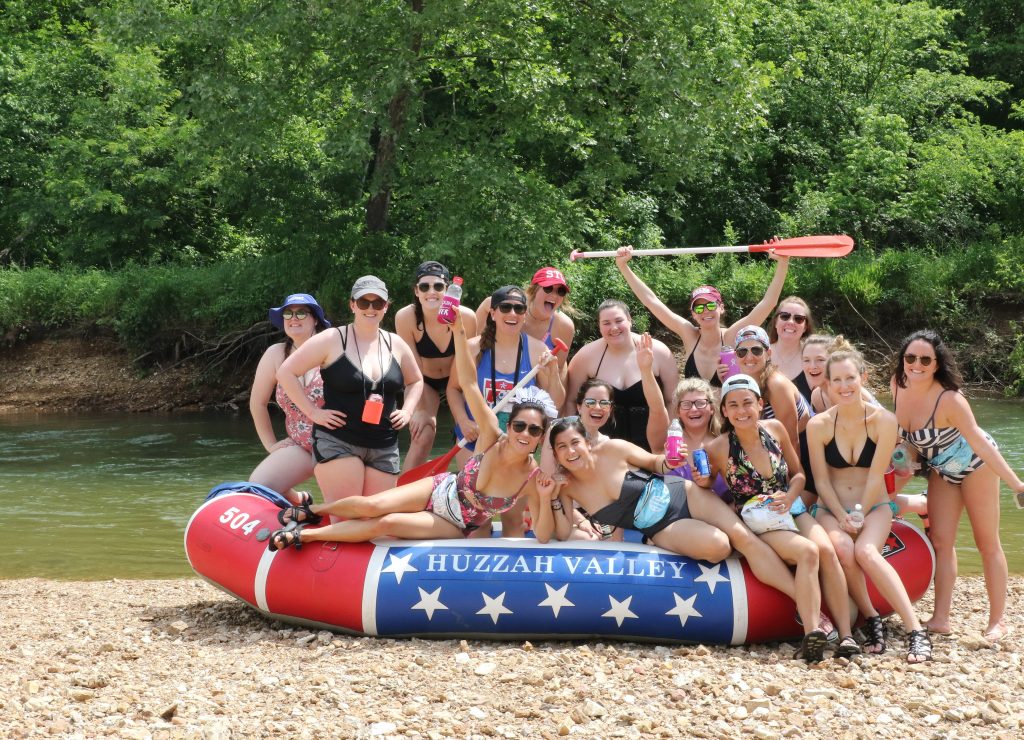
x,y
285,538
848,647
300,514
874,627
919,645
812,649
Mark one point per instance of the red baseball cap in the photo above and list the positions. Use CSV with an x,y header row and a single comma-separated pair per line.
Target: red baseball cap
x,y
548,276
707,292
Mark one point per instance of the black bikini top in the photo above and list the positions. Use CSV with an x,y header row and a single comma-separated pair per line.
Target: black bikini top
x,y
835,458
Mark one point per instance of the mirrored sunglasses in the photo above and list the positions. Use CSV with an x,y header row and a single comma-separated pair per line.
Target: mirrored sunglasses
x,y
519,427
741,352
592,402
795,317
702,307
427,287
299,314
376,304
519,308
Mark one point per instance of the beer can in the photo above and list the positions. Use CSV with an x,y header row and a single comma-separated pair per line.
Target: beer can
x,y
700,463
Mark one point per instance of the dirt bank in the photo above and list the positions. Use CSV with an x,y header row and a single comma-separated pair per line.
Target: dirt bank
x,y
179,659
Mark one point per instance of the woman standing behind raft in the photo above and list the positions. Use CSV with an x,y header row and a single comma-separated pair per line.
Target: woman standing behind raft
x,y
704,338
448,505
355,440
288,461
964,467
850,446
433,347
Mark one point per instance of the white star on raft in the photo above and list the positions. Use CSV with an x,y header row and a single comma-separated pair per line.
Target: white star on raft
x,y
684,609
711,576
493,606
399,565
556,599
429,603
620,610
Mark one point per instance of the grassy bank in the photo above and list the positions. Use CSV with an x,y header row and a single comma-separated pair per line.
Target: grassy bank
x,y
974,297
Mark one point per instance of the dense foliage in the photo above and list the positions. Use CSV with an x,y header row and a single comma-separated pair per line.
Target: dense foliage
x,y
259,147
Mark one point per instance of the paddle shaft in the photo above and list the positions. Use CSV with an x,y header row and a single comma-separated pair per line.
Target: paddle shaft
x,y
836,245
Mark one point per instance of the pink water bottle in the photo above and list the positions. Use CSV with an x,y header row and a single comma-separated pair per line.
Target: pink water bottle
x,y
728,357
674,443
450,303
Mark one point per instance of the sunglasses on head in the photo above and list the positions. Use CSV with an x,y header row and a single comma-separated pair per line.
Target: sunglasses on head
x,y
702,307
519,427
426,287
376,304
299,314
910,359
757,351
795,317
519,308
592,402
700,403
560,289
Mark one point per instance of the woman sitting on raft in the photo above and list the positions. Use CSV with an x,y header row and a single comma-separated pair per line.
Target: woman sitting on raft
x,y
289,461
616,486
760,464
613,358
704,338
964,466
433,347
694,403
448,505
850,446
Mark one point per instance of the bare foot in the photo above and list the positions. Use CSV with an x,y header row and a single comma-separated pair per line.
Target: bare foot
x,y
937,627
997,632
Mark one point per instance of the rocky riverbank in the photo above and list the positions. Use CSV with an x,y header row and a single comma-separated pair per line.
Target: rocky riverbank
x,y
180,659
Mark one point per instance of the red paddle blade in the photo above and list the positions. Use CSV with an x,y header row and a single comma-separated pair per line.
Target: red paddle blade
x,y
835,245
430,467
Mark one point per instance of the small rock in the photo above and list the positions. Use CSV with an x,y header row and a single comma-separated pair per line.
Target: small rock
x,y
383,728
484,669
816,692
176,627
752,704
739,713
564,729
931,719
998,707
461,658
33,687
81,695
592,709
773,689
169,711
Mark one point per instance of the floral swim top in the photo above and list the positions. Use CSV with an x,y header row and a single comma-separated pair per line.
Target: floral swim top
x,y
744,480
296,423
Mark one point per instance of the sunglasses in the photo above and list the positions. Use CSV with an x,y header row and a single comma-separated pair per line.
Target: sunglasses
x,y
592,402
755,351
910,359
519,308
426,287
376,304
560,289
796,317
700,403
702,307
519,427
300,314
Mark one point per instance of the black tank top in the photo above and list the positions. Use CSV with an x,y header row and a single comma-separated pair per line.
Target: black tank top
x,y
629,413
690,368
346,389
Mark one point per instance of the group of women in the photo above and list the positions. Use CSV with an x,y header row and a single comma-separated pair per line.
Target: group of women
x,y
797,449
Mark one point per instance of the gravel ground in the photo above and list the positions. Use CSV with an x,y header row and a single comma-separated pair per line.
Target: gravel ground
x,y
169,659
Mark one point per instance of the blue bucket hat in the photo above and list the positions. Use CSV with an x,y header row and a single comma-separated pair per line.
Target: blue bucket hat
x,y
297,299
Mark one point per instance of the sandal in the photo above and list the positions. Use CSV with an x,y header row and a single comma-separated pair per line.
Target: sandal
x,y
300,514
285,538
847,648
919,646
826,626
874,627
812,649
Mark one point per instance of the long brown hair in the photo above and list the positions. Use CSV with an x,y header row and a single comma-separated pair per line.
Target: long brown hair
x,y
773,331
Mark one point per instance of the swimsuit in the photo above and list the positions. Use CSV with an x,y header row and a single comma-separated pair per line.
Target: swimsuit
x,y
944,449
893,507
690,368
426,349
745,481
835,458
629,412
803,409
802,385
456,498
296,423
622,511
547,337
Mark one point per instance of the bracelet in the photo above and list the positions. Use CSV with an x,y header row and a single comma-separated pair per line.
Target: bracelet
x,y
556,505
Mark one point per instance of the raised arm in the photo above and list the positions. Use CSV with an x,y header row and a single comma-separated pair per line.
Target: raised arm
x,y
486,419
663,313
760,313
657,419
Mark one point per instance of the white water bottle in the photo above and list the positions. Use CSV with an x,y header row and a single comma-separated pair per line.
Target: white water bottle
x,y
450,303
857,515
674,443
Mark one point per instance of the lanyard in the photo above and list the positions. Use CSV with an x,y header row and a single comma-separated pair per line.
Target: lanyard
x,y
494,362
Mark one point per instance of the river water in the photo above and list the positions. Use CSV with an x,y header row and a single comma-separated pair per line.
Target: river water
x,y
108,496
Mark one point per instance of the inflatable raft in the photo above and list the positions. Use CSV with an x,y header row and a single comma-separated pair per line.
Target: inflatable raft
x,y
500,588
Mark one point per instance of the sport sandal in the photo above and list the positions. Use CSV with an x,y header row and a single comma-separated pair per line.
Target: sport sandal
x,y
874,628
919,646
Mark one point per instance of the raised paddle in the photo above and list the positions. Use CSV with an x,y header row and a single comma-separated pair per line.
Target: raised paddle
x,y
838,245
440,464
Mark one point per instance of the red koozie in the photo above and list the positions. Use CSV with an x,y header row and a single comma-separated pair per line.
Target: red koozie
x,y
373,408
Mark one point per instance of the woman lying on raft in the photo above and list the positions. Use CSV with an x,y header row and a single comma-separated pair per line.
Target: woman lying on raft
x,y
448,505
